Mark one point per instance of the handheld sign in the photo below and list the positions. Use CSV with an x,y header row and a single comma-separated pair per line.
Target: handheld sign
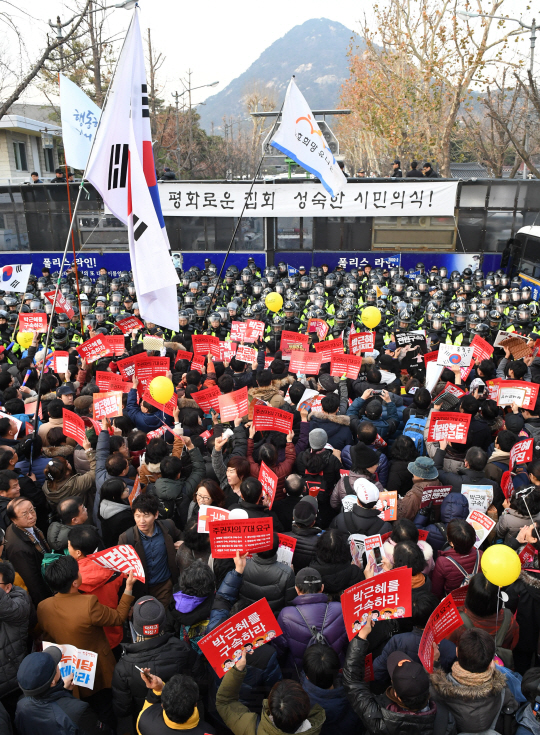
x,y
442,621
248,535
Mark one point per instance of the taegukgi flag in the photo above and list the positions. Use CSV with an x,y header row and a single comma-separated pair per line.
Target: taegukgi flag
x,y
80,117
300,138
122,169
15,277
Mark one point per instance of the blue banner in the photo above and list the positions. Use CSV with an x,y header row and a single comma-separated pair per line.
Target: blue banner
x,y
533,284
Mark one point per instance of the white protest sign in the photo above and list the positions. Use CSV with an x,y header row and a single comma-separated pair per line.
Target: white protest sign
x,y
452,356
82,664
480,497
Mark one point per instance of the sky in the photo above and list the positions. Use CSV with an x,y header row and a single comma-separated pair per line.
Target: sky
x,y
217,40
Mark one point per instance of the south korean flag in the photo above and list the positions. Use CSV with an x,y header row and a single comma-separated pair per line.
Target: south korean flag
x,y
15,277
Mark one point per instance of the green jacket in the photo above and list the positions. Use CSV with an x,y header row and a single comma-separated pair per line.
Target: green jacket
x,y
241,721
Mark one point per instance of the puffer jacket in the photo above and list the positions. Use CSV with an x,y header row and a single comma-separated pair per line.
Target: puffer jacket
x,y
164,655
36,714
337,427
399,477
57,535
473,708
379,715
337,576
296,634
409,505
306,541
364,521
340,717
341,488
511,522
311,465
105,584
83,485
455,505
446,576
268,578
115,519
15,622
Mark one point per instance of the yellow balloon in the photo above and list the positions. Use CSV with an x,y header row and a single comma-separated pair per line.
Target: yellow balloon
x,y
161,389
25,339
274,301
371,316
501,565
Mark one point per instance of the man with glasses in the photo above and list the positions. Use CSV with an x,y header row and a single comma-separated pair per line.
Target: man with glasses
x,y
25,547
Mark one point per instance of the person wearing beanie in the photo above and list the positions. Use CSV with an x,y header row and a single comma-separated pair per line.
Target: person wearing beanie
x,y
425,474
305,531
364,517
364,463
152,648
320,468
335,424
48,706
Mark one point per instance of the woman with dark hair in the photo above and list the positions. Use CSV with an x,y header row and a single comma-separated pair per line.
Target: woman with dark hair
x,y
61,481
333,562
208,492
196,546
517,510
480,611
39,461
136,446
405,530
269,455
230,474
399,478
58,446
193,599
114,510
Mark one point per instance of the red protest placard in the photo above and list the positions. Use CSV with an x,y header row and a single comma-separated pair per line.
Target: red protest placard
x,y
422,534
60,361
327,349
106,381
157,433
361,342
387,504
136,491
247,630
305,362
518,391
183,355
482,525
120,558
238,331
209,513
61,306
268,480
197,363
450,426
107,405
434,494
254,330
35,322
388,595
116,344
293,342
507,486
459,595
207,398
266,418
128,324
348,365
224,351
233,405
246,354
431,357
167,408
127,367
93,348
521,452
493,387
369,673
146,368
319,326
287,545
442,621
202,342
454,390
248,535
73,426
482,350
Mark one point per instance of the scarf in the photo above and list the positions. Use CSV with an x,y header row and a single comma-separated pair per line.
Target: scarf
x,y
38,540
189,724
468,679
418,580
186,603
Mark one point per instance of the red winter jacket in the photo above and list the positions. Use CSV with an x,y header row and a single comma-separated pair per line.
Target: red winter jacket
x,y
446,576
282,469
104,584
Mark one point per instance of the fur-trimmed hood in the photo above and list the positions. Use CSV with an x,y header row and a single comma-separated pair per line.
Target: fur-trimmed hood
x,y
187,403
334,418
264,393
448,688
279,383
531,580
64,450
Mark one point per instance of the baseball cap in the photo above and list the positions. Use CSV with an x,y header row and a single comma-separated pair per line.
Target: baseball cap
x,y
409,678
308,575
391,346
305,511
65,390
366,491
148,615
37,670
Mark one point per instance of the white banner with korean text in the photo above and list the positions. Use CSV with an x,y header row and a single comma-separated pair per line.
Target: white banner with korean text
x,y
403,199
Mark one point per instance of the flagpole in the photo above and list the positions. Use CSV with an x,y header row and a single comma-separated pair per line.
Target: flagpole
x,y
74,252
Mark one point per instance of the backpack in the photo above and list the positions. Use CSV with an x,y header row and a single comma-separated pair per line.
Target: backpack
x,y
317,636
315,483
168,509
520,478
505,654
466,576
414,429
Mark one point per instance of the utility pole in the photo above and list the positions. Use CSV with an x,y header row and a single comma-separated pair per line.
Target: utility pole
x,y
177,96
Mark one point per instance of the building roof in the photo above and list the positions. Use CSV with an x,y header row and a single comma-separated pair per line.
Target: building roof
x,y
29,126
469,171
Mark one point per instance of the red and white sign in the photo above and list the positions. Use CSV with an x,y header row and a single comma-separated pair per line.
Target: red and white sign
x,y
107,405
183,355
450,426
386,596
147,368
361,342
135,492
93,349
422,534
268,480
517,391
233,405
127,367
246,354
61,306
348,365
207,398
197,363
250,628
454,356
493,388
238,331
482,525
266,418
82,664
434,494
35,322
224,351
459,595
521,452
431,357
287,545
209,513
157,433
73,426
116,344
202,343
60,361
106,381
442,621
293,342
482,350
454,390
319,326
167,408
387,504
526,556
122,559
327,349
248,535
507,485
305,362
254,330
129,324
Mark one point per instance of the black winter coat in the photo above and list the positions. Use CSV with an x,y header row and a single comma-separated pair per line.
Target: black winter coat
x,y
23,554
399,477
53,713
365,521
284,508
306,541
268,578
16,612
164,656
310,464
337,577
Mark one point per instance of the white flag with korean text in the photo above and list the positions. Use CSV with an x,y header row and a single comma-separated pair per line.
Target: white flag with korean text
x,y
80,117
300,138
15,277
